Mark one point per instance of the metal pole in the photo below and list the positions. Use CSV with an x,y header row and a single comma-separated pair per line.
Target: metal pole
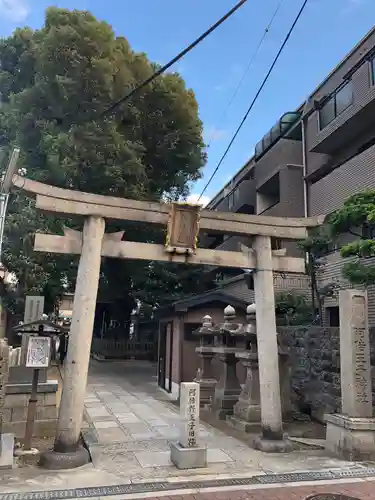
x,y
10,171
31,411
4,191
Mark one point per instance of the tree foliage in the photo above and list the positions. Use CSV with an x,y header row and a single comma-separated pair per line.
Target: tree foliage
x,y
294,307
357,216
316,246
55,84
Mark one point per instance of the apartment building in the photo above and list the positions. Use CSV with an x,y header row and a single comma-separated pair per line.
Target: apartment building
x,y
309,162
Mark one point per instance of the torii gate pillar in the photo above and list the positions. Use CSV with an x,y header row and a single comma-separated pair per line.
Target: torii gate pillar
x,y
67,453
271,439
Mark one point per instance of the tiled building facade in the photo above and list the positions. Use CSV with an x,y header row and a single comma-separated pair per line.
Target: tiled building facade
x,y
308,164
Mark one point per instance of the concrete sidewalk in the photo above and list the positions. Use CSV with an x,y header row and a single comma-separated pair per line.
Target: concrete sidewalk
x,y
129,423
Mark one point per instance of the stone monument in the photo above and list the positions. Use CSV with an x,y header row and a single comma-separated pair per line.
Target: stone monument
x,y
6,440
351,434
188,452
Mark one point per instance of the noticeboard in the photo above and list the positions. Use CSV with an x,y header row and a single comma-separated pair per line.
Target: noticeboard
x,y
38,352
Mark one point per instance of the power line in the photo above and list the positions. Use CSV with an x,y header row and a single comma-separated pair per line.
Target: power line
x,y
175,59
255,98
251,61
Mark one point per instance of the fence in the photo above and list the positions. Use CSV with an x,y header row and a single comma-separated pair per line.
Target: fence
x,y
124,349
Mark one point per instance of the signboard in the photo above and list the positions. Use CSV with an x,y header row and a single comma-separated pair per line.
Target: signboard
x,y
183,228
38,352
34,308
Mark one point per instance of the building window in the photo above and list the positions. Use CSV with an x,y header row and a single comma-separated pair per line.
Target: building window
x,y
368,231
372,69
336,105
230,200
246,209
327,113
276,243
249,280
236,195
268,195
333,316
344,98
219,239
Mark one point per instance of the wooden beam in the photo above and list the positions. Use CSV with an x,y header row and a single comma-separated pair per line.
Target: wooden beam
x,y
148,251
66,201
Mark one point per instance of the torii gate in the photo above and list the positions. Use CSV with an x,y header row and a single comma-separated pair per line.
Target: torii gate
x,y
184,222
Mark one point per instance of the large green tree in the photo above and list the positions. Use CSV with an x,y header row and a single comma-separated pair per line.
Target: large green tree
x,y
55,84
357,217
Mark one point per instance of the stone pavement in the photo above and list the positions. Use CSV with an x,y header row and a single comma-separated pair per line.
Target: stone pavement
x,y
129,422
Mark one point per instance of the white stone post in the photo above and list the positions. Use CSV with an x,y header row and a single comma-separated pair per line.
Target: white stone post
x,y
269,378
351,434
188,452
356,387
78,356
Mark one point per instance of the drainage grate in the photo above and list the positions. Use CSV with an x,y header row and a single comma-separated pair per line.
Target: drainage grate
x,y
126,489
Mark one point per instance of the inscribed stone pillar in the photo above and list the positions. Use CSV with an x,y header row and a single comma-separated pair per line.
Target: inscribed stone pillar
x,y
351,434
272,427
188,452
77,361
356,391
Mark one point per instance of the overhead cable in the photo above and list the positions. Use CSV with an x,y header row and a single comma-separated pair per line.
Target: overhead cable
x,y
179,56
254,99
251,61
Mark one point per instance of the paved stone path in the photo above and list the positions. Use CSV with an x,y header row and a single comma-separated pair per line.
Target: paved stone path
x,y
133,424
130,422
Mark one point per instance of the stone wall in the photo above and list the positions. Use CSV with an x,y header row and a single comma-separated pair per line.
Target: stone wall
x,y
15,409
315,361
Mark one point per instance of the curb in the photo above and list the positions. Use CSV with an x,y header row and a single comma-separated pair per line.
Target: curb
x,y
156,487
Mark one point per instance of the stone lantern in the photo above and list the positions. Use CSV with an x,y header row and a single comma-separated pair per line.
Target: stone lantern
x,y
226,335
246,411
205,375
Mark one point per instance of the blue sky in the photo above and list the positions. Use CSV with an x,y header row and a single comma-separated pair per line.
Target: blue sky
x,y
161,28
